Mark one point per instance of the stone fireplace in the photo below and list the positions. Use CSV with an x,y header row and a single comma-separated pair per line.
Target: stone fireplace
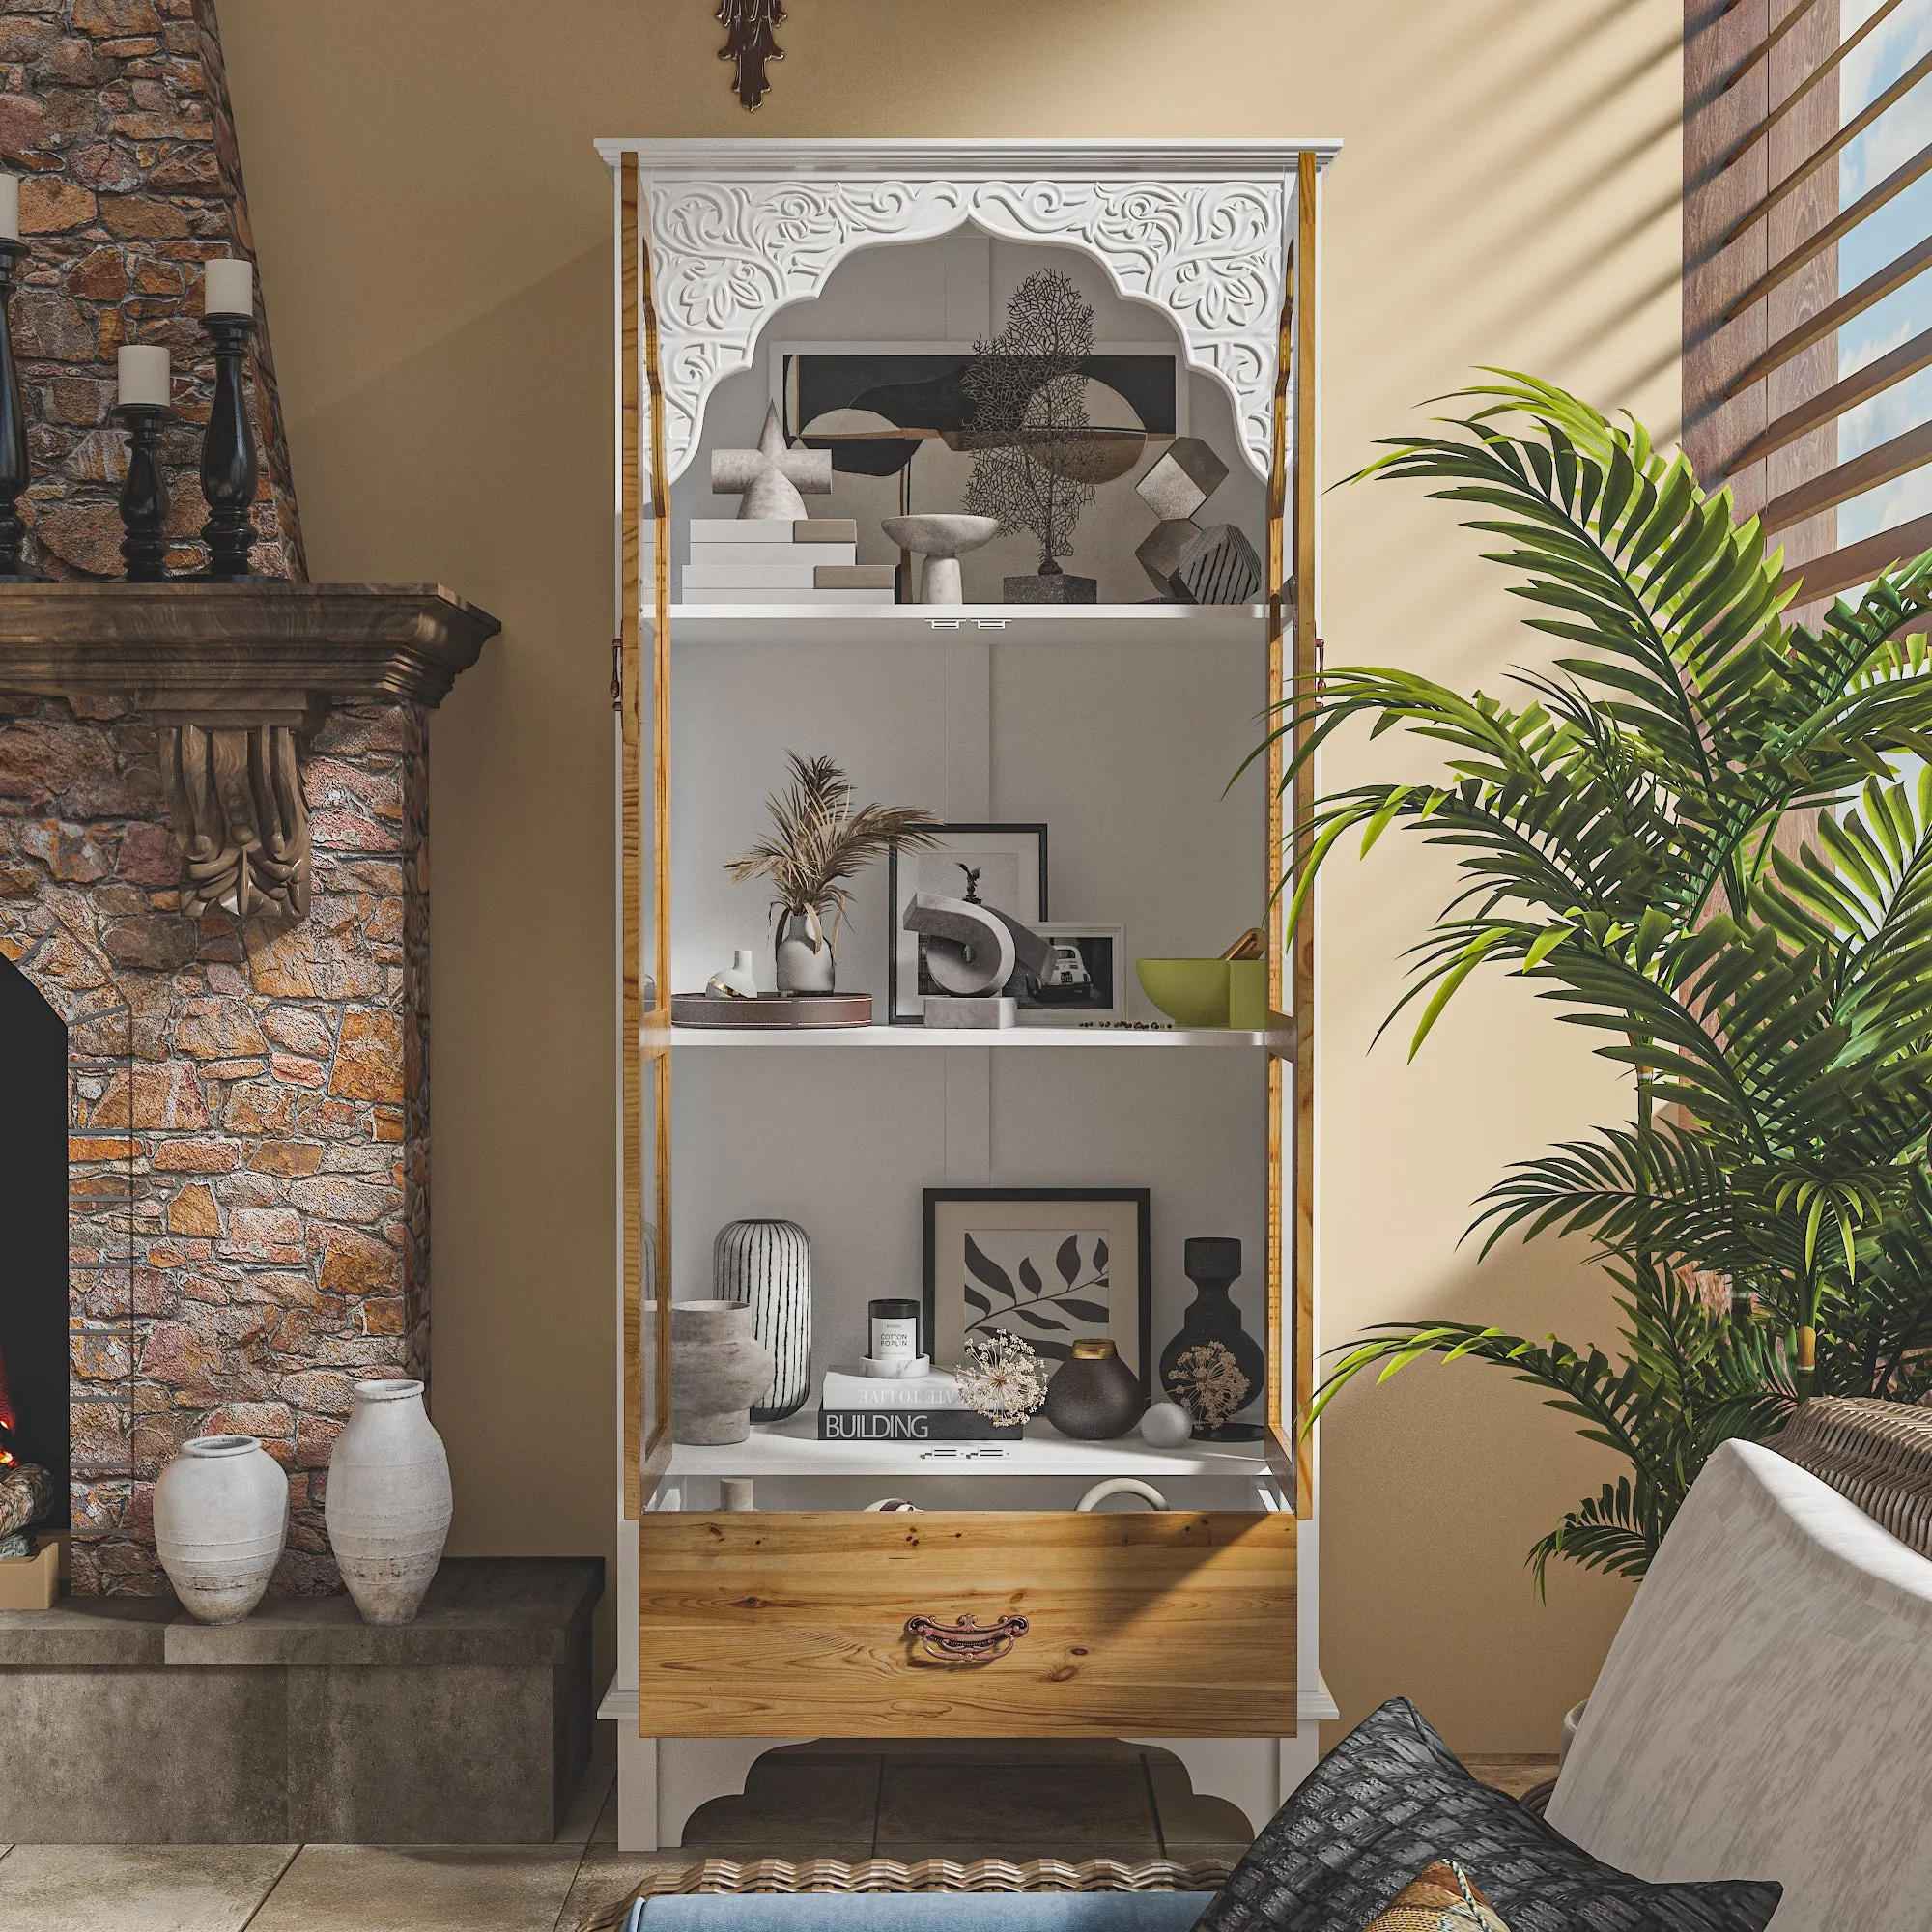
x,y
239,1217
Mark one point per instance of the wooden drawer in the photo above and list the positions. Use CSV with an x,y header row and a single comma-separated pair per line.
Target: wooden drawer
x,y
1171,1622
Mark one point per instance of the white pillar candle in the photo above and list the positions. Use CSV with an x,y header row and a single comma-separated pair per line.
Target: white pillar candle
x,y
10,208
228,288
144,374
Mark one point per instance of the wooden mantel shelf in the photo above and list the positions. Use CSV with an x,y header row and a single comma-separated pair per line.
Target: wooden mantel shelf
x,y
236,675
261,653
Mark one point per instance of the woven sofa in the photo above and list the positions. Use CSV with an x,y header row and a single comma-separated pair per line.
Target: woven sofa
x,y
1763,1713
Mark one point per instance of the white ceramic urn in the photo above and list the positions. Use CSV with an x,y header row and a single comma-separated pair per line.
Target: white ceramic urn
x,y
388,1502
221,1515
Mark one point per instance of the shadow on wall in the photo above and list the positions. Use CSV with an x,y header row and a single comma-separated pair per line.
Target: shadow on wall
x,y
508,417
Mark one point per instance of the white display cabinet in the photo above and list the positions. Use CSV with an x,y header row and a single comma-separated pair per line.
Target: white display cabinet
x,y
1117,726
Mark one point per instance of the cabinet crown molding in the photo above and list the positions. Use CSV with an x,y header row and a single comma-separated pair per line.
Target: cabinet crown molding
x,y
738,230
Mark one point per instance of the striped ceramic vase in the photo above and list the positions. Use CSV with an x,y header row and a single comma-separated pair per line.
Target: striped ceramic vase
x,y
768,1264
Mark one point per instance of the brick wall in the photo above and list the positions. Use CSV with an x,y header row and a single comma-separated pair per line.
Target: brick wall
x,y
250,1110
116,113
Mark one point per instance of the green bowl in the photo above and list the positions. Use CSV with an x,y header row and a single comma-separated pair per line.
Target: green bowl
x,y
1190,992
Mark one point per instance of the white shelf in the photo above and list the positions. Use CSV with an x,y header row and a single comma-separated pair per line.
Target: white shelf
x,y
792,1448
917,1037
913,624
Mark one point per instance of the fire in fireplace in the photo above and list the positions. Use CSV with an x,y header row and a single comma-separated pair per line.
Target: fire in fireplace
x,y
32,1212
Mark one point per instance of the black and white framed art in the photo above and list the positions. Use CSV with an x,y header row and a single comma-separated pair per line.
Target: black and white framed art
x,y
999,866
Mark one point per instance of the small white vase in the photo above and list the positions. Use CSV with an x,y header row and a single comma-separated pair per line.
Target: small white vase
x,y
801,966
738,981
388,1503
221,1515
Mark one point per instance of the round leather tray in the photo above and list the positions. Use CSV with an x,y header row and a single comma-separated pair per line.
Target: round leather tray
x,y
773,1009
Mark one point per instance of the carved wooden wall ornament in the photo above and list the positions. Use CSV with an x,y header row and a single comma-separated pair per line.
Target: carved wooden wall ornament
x,y
737,231
749,44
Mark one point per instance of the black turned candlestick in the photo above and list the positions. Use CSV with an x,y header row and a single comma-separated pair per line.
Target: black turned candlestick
x,y
144,495
229,468
12,432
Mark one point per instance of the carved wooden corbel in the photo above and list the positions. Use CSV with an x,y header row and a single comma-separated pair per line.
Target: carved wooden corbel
x,y
239,817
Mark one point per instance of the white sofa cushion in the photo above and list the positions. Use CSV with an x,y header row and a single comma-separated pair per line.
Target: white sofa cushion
x,y
1766,1710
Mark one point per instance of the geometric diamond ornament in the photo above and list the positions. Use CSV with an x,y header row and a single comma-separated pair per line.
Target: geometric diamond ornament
x,y
1186,475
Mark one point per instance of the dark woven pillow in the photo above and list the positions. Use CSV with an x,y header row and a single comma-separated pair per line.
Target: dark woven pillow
x,y
1392,1797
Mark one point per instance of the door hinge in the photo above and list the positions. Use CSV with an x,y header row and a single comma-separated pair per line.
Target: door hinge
x,y
617,673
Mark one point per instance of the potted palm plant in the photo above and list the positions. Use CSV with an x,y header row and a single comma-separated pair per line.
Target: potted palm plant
x,y
816,845
1699,836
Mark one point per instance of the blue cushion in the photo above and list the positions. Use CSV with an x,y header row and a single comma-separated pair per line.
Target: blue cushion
x,y
920,1912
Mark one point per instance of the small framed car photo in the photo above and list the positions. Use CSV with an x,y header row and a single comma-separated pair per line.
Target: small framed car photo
x,y
1084,982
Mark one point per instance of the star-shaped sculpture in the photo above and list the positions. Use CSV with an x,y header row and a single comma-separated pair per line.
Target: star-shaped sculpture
x,y
772,476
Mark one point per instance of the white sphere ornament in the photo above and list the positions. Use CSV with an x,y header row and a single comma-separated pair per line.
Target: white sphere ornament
x,y
389,1502
221,1515
1166,1425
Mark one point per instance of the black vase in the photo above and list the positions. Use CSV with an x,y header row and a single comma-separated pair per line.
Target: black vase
x,y
1214,1264
1094,1396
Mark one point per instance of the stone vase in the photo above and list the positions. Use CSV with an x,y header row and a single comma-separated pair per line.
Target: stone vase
x,y
221,1515
388,1501
801,966
717,1368
767,1265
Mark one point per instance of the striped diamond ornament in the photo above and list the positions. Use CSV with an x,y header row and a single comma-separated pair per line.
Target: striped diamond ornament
x,y
767,1264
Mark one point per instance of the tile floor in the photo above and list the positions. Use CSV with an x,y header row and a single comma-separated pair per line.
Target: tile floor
x,y
827,1800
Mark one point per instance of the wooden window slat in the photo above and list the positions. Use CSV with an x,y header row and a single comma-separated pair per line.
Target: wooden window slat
x,y
1802,89
1794,18
1813,246
1829,320
1835,146
1860,386
1861,563
1899,457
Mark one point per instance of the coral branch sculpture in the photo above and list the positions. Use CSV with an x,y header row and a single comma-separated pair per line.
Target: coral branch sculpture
x,y
1035,457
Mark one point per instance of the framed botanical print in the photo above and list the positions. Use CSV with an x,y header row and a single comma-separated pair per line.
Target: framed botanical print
x,y
1054,1266
1000,866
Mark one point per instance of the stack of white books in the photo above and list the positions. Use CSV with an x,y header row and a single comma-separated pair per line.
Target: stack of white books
x,y
854,1406
763,560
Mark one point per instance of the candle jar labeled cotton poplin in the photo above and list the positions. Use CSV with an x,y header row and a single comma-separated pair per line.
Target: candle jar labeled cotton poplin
x,y
894,1330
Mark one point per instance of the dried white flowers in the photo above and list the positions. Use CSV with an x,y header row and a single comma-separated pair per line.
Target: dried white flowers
x,y
1001,1378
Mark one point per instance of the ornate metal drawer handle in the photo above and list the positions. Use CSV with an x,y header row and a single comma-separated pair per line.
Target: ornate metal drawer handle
x,y
966,1640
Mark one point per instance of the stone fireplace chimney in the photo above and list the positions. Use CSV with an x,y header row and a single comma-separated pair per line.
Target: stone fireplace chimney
x,y
214,870
120,123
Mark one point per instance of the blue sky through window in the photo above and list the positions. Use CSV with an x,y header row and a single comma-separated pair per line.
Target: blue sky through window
x,y
1898,134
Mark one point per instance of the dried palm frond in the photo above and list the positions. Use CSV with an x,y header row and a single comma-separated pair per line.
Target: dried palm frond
x,y
818,841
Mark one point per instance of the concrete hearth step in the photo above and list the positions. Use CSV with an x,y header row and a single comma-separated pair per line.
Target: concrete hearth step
x,y
123,1721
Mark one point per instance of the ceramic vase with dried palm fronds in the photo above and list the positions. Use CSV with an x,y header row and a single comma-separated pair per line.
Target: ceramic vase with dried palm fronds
x,y
817,845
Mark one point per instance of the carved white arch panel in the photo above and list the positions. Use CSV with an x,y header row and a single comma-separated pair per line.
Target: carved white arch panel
x,y
738,230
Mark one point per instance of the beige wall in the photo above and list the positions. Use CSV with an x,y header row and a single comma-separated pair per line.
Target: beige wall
x,y
433,227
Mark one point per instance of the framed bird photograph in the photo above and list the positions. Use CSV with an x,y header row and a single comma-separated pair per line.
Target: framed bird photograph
x,y
999,866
